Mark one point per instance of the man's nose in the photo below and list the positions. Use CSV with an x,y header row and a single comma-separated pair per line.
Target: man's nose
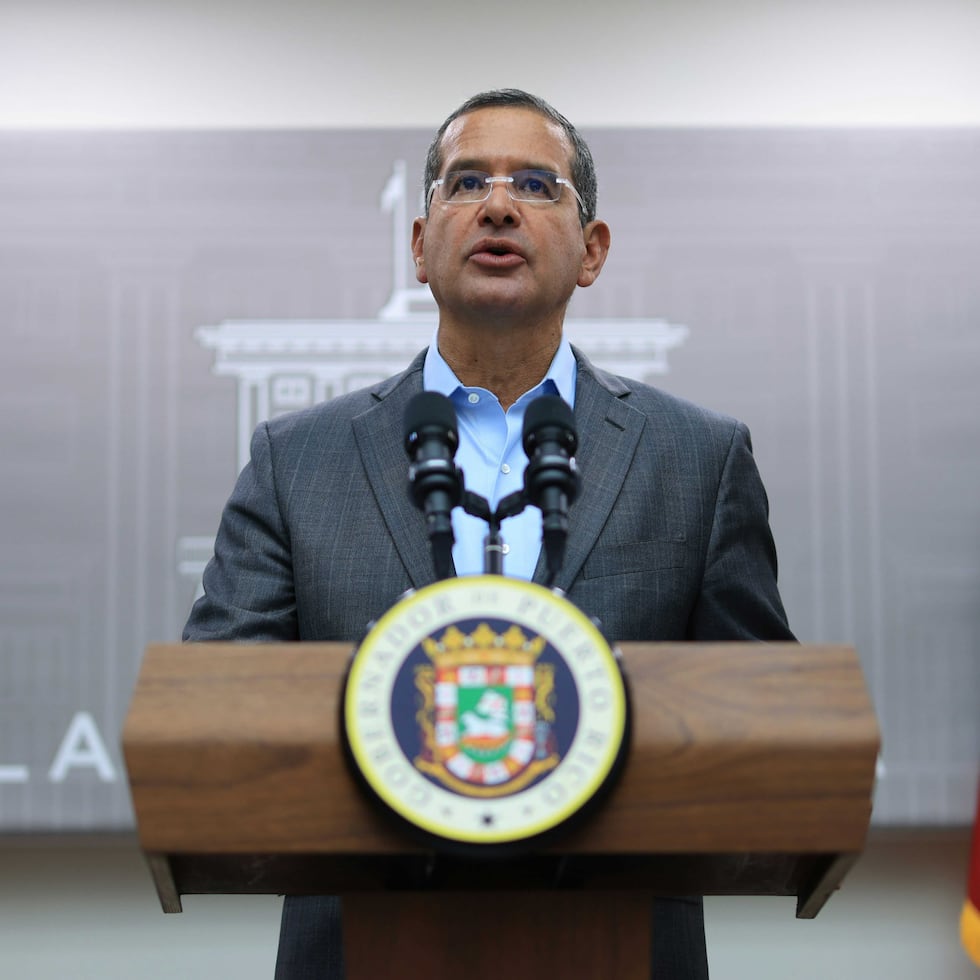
x,y
500,207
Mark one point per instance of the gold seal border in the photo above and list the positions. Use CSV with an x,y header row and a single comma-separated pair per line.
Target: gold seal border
x,y
377,663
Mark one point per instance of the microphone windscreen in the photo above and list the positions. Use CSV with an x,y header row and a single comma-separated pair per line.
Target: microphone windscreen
x,y
430,409
548,411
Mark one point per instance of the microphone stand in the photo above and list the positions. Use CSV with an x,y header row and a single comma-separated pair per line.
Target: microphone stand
x,y
493,543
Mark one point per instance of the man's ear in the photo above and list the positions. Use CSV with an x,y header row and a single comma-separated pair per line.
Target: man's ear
x,y
597,239
418,236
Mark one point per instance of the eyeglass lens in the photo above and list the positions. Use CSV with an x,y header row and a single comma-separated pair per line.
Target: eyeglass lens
x,y
463,186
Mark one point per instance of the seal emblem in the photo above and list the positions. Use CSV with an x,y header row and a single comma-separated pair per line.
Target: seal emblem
x,y
485,711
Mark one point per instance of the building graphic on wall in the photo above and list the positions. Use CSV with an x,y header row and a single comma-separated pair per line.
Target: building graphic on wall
x,y
284,365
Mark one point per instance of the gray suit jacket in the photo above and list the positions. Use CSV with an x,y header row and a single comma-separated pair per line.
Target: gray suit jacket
x,y
669,540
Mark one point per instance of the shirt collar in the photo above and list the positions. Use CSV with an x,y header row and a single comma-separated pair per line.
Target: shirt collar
x,y
437,375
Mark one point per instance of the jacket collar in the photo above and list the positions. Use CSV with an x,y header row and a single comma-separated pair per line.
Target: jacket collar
x,y
609,430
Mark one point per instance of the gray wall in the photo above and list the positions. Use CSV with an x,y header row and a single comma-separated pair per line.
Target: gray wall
x,y
162,292
71,907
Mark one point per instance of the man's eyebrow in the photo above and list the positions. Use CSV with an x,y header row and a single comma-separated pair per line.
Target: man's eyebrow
x,y
467,163
475,163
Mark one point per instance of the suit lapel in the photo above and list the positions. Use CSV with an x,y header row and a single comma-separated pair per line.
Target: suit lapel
x,y
608,431
380,442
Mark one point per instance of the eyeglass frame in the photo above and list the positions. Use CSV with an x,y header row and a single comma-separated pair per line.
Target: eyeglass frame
x,y
508,181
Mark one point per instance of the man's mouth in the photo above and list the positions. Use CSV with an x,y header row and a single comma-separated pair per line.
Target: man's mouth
x,y
495,254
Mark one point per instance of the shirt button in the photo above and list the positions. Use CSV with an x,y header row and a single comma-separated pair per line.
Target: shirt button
x,y
505,469
472,397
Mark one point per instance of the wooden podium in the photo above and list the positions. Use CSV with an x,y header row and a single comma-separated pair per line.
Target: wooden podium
x,y
750,772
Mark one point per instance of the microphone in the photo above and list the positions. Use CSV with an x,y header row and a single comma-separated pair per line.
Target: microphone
x,y
435,482
551,481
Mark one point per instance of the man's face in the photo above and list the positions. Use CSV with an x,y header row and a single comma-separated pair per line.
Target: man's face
x,y
503,260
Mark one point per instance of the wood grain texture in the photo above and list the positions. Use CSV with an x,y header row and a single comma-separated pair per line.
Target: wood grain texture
x,y
523,936
753,763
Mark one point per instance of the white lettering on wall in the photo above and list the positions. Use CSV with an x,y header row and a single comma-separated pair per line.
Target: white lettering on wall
x,y
82,748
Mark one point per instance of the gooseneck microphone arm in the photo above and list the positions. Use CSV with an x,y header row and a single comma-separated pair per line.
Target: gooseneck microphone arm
x,y
551,480
435,481
493,543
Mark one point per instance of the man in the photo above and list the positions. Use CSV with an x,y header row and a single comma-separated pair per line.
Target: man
x,y
669,539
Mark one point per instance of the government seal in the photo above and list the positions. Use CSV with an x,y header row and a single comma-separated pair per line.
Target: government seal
x,y
485,712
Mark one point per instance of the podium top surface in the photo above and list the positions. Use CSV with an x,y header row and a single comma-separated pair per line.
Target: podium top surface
x,y
735,748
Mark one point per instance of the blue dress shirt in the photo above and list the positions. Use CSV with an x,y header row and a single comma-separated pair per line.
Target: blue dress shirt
x,y
492,458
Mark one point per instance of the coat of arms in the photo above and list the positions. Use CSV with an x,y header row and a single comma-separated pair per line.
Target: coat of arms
x,y
487,711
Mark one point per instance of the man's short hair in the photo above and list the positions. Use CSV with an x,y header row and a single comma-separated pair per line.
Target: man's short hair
x,y
583,174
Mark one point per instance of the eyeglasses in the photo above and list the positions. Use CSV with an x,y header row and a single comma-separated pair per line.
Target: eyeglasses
x,y
474,186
